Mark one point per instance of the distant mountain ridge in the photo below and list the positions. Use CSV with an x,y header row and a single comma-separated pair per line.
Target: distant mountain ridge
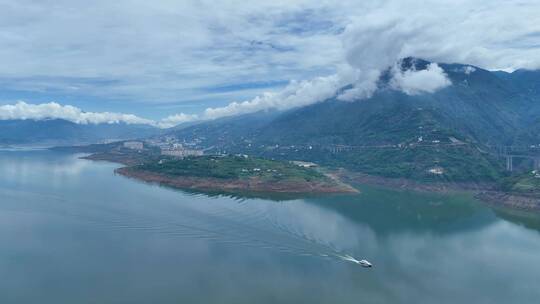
x,y
63,132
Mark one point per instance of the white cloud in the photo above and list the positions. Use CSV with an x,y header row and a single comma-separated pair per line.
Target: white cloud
x,y
376,36
170,51
363,81
414,82
469,69
177,119
22,110
363,85
296,94
52,110
374,41
162,51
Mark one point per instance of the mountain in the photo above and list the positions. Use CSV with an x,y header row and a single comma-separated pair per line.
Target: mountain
x,y
479,106
527,81
451,128
228,130
58,131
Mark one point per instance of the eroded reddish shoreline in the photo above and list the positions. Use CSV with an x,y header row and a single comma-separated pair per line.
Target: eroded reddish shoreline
x,y
484,192
232,185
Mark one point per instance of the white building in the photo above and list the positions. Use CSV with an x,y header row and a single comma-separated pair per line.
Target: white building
x,y
181,152
135,145
304,164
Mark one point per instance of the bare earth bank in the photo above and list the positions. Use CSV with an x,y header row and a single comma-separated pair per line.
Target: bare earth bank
x,y
232,185
485,192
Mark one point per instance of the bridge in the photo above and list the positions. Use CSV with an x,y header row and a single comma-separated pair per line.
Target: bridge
x,y
509,153
510,161
347,148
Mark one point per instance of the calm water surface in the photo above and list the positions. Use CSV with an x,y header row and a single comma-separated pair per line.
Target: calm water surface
x,y
73,232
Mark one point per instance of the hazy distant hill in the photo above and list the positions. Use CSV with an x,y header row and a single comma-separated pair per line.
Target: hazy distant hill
x,y
58,131
480,108
527,81
228,130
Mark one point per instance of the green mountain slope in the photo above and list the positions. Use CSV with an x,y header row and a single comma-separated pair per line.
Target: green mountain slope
x,y
395,134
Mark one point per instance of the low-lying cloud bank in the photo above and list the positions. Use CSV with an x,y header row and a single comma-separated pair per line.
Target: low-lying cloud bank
x,y
296,94
53,110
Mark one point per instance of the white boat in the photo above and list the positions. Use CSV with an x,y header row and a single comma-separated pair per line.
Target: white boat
x,y
364,263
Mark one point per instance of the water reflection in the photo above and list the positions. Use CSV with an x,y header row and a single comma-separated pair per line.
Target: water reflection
x,y
523,218
389,211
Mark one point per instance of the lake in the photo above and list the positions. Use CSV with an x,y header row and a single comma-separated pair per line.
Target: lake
x,y
71,231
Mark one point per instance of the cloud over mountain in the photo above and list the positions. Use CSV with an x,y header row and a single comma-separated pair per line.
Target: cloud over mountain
x,y
297,93
381,35
414,82
164,52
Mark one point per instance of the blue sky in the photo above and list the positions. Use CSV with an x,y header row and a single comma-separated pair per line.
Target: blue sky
x,y
156,58
145,108
163,58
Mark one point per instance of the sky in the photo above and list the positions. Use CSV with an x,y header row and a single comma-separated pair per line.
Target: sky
x,y
165,62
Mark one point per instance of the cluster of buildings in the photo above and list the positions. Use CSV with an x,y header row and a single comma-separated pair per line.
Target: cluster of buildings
x,y
177,150
304,164
171,146
167,146
134,145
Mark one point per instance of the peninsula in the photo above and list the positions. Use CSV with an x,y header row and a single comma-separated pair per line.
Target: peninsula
x,y
226,173
235,173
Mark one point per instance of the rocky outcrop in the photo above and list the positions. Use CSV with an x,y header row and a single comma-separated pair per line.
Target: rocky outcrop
x,y
516,201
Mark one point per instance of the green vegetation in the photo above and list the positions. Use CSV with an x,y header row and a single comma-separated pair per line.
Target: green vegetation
x,y
393,136
461,163
233,167
527,183
458,164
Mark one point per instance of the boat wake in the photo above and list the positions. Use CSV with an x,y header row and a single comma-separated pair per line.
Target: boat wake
x,y
265,225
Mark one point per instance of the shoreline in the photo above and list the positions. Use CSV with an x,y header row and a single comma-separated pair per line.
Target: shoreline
x,y
510,200
235,185
485,192
113,158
